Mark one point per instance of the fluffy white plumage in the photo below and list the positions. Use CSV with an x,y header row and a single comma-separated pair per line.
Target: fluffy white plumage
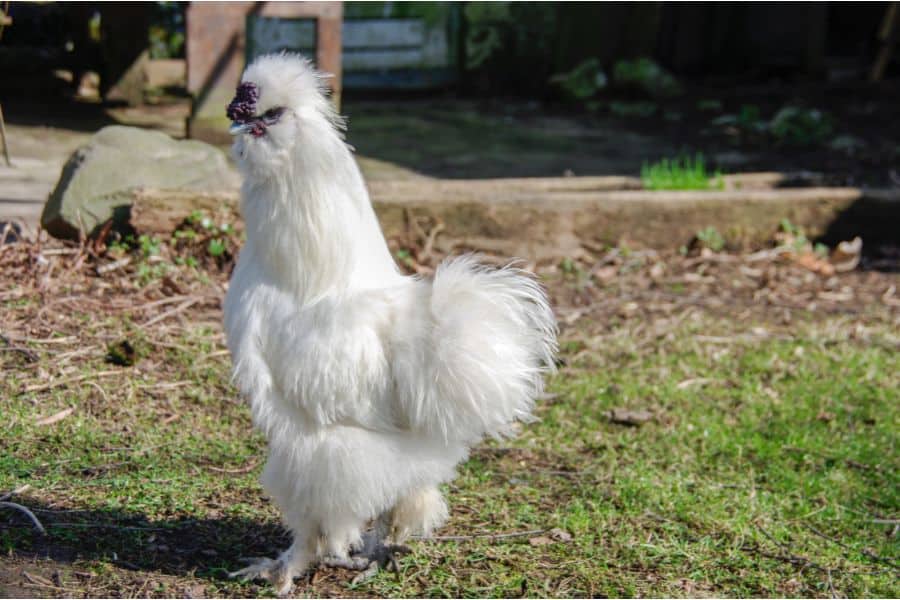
x,y
370,385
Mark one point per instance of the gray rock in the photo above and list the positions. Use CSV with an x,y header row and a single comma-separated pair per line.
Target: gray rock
x,y
98,180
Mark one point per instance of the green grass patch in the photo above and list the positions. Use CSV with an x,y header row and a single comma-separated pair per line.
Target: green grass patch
x,y
680,173
769,468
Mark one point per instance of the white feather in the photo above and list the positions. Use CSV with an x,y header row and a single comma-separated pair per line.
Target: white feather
x,y
370,386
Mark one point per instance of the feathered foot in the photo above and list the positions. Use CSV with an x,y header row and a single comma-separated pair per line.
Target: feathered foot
x,y
375,554
382,557
278,572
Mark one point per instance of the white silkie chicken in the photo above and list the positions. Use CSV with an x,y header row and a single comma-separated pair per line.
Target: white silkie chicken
x,y
369,385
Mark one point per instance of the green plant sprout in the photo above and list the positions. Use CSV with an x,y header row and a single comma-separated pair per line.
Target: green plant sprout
x,y
682,173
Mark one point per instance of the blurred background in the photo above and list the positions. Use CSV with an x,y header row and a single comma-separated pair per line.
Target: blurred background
x,y
487,89
472,90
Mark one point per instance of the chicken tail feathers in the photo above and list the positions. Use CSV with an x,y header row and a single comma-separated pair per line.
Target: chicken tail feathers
x,y
492,340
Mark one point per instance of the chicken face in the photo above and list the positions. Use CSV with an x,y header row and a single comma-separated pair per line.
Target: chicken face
x,y
281,117
242,112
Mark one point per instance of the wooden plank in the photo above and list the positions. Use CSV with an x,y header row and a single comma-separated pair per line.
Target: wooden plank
x,y
403,79
383,59
383,33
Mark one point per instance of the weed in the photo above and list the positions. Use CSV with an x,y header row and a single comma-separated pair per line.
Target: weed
x,y
582,82
800,127
711,238
646,75
149,246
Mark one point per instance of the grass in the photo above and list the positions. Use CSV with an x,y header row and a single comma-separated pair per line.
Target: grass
x,y
769,467
680,173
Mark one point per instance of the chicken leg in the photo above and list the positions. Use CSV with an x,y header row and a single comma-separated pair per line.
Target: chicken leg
x,y
375,553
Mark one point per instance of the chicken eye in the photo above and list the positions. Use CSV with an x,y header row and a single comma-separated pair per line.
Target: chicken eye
x,y
273,114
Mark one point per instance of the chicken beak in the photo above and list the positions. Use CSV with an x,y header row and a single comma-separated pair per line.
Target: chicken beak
x,y
238,128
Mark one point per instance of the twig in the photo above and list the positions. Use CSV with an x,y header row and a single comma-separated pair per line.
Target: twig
x,y
122,262
830,583
99,389
27,512
19,490
107,526
29,354
52,340
54,418
180,308
429,243
65,381
486,536
238,471
47,587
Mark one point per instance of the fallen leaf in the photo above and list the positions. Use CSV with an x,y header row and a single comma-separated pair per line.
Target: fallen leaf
x,y
541,540
815,263
846,256
624,416
606,274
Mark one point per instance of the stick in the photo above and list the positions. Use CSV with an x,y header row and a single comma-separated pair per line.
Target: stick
x,y
102,269
54,418
30,514
239,471
46,386
19,490
181,307
29,354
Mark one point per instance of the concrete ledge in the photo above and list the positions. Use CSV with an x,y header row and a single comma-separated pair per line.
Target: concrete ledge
x,y
540,219
541,225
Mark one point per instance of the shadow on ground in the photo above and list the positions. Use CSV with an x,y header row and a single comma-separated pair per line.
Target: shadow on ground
x,y
44,100
207,548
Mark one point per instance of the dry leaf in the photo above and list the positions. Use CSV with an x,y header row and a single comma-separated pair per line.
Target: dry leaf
x,y
847,254
816,264
624,416
605,274
541,540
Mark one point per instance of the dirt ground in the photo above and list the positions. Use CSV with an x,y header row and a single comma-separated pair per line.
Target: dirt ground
x,y
604,295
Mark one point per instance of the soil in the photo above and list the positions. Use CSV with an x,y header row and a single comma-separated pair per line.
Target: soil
x,y
762,293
